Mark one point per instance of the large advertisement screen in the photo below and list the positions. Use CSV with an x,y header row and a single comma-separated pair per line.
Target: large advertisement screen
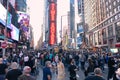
x,y
52,19
3,12
79,40
15,33
23,19
79,28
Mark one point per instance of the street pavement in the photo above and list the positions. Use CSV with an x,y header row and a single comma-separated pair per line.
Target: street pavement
x,y
80,74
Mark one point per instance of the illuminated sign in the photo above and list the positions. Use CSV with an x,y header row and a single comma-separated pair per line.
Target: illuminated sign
x,y
52,19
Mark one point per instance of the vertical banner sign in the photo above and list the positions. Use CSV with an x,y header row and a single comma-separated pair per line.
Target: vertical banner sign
x,y
52,19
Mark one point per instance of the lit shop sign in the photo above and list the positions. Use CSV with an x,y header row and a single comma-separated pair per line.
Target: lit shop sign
x,y
52,20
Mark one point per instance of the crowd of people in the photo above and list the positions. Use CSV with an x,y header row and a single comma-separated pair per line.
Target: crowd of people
x,y
92,64
25,65
18,66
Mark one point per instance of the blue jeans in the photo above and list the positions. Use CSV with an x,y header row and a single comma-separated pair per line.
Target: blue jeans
x,y
2,77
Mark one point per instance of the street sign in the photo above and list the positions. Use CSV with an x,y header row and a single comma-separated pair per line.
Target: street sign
x,y
4,44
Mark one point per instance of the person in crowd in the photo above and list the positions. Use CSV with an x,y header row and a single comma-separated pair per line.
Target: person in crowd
x,y
31,64
47,75
82,60
111,67
97,75
26,59
60,70
117,74
72,70
3,69
14,73
76,59
26,74
90,67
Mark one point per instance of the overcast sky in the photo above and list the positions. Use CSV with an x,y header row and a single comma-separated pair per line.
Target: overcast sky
x,y
36,15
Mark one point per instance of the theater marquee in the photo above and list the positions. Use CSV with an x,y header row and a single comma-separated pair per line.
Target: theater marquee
x,y
52,20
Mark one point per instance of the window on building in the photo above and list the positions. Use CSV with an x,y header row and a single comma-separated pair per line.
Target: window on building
x,y
116,17
106,22
91,39
107,15
110,7
115,10
106,3
96,38
99,38
118,8
104,36
117,31
119,15
109,1
111,20
110,13
110,31
114,3
107,9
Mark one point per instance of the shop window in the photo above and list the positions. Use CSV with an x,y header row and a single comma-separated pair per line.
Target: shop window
x,y
104,33
96,38
117,30
104,41
111,42
104,36
99,38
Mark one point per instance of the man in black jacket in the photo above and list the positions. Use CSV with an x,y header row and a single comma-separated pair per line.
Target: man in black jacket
x,y
97,76
14,73
72,70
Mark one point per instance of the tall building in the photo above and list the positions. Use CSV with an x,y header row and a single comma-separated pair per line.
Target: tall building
x,y
80,22
72,18
46,22
102,21
21,5
49,22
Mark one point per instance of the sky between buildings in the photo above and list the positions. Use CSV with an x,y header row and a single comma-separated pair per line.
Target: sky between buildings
x,y
37,14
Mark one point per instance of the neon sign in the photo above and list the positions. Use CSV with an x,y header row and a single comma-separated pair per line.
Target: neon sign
x,y
52,19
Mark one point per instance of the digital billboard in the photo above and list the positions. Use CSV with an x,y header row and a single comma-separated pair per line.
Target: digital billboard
x,y
79,40
3,13
23,19
79,28
52,20
15,33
